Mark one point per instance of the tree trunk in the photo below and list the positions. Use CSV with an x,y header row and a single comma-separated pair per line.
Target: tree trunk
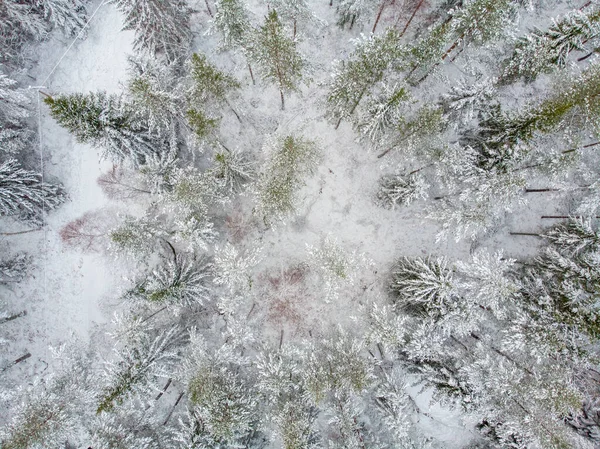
x,y
13,317
414,13
282,100
541,190
251,74
525,233
381,8
352,21
560,217
13,363
208,8
21,232
294,35
234,111
173,409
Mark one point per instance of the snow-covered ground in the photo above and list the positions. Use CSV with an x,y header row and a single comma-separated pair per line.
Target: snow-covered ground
x,y
74,292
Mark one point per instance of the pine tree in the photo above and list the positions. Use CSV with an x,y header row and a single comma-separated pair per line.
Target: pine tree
x,y
182,282
465,100
161,27
423,283
294,11
542,50
395,190
15,268
291,160
139,365
475,22
232,22
501,133
349,11
14,102
136,237
103,120
232,170
220,395
277,56
24,195
155,94
575,236
233,269
336,267
42,419
15,135
352,79
19,22
384,113
209,85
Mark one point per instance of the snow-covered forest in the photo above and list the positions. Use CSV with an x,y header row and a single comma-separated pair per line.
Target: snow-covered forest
x,y
299,224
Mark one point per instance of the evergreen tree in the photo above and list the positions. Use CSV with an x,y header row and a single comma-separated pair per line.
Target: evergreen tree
x,y
220,396
69,15
15,268
233,269
232,22
542,50
19,22
423,283
384,113
294,11
352,79
575,236
232,170
395,190
291,160
103,120
161,27
208,84
180,282
466,99
15,135
502,137
475,22
24,195
139,364
155,94
277,56
349,11
43,419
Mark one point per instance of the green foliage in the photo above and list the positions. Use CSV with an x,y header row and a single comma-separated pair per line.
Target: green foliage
x,y
208,82
540,51
202,125
366,66
181,282
103,120
231,21
276,55
293,159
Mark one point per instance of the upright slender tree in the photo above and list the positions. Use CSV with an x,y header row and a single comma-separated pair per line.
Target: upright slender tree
x,y
277,56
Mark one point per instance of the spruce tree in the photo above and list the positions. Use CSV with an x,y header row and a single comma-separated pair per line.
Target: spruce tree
x,y
103,120
277,56
161,27
23,194
69,15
